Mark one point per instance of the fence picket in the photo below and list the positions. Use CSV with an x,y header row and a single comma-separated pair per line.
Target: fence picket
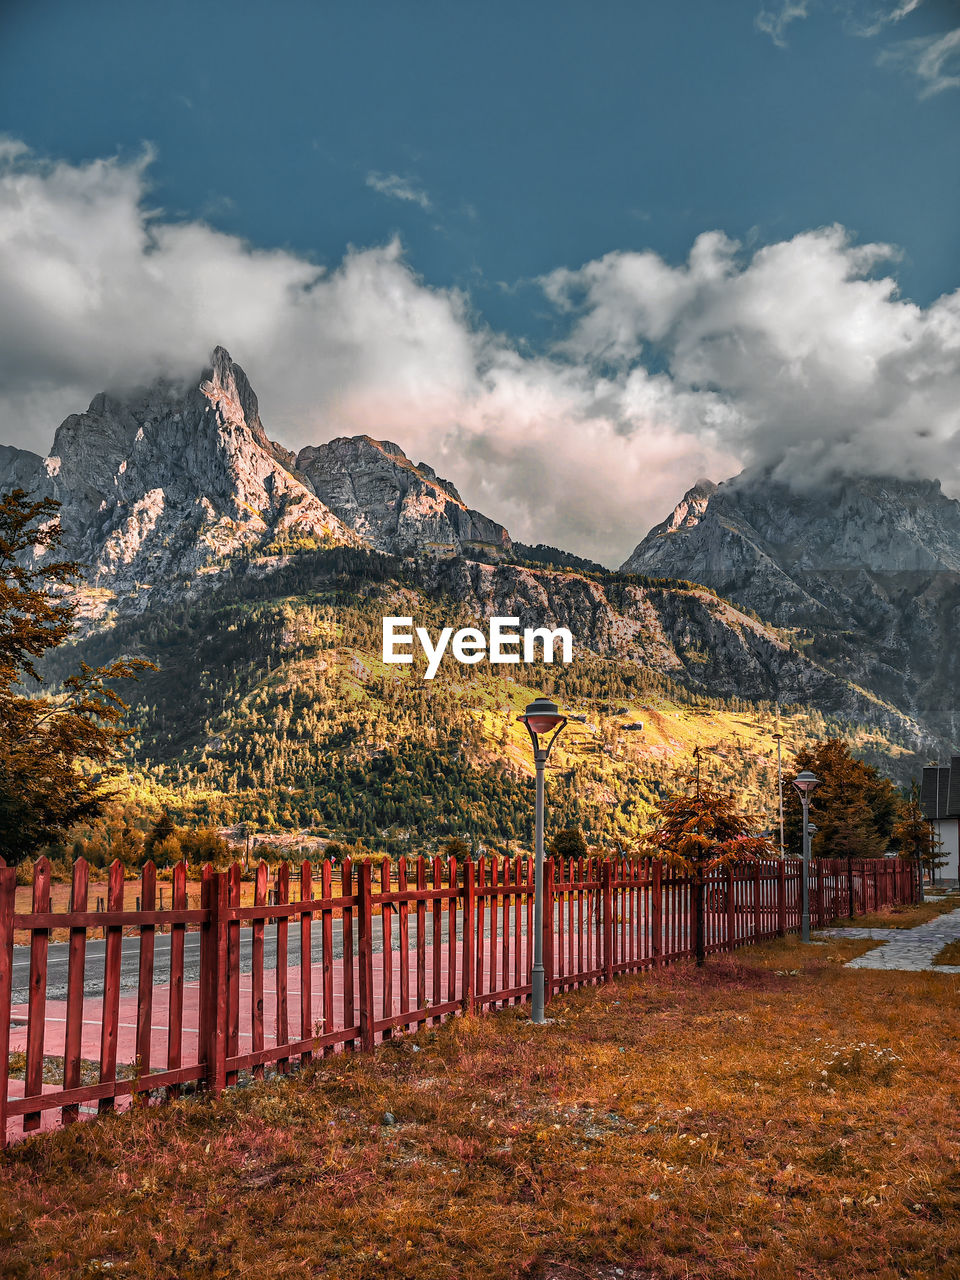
x,y
386,924
148,899
8,895
73,1032
306,960
111,986
421,940
346,925
626,914
178,895
436,953
282,897
327,1019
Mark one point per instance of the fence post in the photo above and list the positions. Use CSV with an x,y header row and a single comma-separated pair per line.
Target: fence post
x,y
468,990
365,952
656,915
213,978
731,940
821,922
757,918
8,891
548,940
781,898
607,898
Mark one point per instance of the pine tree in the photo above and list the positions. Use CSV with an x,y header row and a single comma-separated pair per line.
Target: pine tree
x,y
58,752
699,832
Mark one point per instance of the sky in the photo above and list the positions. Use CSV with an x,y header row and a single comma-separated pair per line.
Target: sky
x,y
573,255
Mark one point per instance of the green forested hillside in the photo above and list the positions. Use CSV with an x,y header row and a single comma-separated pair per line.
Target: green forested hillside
x,y
272,706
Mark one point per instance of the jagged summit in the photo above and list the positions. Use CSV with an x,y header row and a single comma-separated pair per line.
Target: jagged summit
x,y
877,523
394,504
163,484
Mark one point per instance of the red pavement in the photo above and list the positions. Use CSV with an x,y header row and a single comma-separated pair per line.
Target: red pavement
x,y
56,1012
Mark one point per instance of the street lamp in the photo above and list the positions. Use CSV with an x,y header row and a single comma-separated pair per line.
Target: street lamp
x,y
541,717
805,783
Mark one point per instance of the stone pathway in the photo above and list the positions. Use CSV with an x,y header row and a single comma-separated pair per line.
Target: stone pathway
x,y
911,949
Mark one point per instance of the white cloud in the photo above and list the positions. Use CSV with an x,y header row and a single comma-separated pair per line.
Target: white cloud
x,y
875,20
398,188
934,61
798,350
812,355
774,23
102,293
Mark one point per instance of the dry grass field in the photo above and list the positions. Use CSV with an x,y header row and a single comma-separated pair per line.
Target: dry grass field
x,y
772,1116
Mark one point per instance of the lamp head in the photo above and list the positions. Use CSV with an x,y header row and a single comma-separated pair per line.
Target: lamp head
x,y
805,782
542,715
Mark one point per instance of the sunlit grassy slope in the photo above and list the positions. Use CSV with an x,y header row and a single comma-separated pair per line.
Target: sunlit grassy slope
x,y
273,706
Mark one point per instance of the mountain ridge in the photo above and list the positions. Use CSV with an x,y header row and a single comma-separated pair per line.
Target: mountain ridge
x,y
168,492
865,571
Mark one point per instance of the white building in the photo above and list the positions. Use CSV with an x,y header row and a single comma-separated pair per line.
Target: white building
x,y
940,798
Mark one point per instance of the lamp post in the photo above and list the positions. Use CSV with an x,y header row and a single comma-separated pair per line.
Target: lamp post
x,y
541,717
778,736
805,783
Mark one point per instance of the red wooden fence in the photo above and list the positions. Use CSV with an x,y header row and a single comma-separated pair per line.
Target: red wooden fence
x,y
186,996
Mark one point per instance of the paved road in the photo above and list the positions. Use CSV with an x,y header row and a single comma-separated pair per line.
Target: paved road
x,y
130,957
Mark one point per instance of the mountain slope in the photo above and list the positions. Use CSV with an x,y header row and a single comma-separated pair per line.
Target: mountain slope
x,y
272,703
864,571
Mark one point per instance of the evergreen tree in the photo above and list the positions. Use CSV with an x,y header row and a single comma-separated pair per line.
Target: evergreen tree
x,y
160,831
569,843
854,808
699,832
58,752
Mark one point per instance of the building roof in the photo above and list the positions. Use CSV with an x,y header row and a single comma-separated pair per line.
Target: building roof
x,y
940,790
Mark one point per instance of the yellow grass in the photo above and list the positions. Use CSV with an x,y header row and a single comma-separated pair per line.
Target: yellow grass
x,y
773,1116
950,954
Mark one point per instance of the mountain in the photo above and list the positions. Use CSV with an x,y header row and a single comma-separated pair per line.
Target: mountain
x,y
256,579
394,505
165,486
863,572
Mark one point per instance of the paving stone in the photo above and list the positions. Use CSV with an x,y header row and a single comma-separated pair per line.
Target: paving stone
x,y
911,950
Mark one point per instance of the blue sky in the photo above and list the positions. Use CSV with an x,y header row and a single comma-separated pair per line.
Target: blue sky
x,y
482,157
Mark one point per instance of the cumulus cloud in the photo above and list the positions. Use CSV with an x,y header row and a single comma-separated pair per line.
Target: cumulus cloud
x,y
102,292
817,361
801,351
933,61
774,22
398,188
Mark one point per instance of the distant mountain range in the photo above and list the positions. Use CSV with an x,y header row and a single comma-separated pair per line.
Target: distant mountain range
x,y
843,599
863,573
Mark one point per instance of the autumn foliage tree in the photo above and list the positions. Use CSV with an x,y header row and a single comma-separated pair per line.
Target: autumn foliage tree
x,y
854,808
697,832
58,751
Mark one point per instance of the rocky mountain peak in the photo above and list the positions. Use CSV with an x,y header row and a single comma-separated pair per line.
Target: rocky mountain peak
x,y
396,505
162,485
226,386
864,569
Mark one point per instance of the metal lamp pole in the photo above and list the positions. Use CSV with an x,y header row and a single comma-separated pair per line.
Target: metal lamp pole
x,y
805,783
779,738
540,717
